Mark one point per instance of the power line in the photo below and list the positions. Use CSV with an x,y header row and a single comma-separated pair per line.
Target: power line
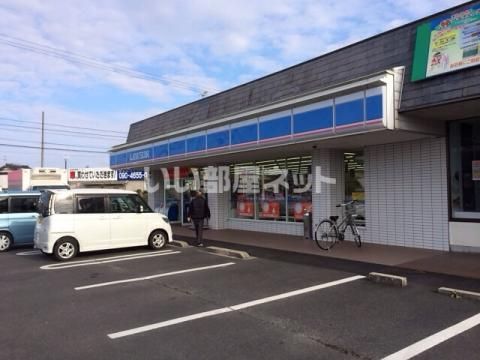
x,y
98,64
59,130
14,156
69,58
77,145
62,125
67,135
30,152
62,144
63,131
53,148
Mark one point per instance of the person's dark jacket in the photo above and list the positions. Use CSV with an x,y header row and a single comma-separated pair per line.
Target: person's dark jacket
x,y
199,208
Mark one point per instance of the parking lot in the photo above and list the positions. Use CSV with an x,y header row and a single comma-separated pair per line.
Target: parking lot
x,y
185,303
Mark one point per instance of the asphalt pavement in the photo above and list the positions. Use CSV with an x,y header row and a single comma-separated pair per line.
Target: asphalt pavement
x,y
186,303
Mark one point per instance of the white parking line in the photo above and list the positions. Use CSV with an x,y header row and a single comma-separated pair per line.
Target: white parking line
x,y
231,308
29,253
435,339
106,260
153,276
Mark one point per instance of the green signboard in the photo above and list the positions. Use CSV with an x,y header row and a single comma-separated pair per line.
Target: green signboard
x,y
448,43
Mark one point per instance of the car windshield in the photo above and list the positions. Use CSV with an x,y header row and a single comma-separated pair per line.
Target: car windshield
x,y
146,207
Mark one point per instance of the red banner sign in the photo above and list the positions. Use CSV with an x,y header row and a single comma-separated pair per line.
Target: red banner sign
x,y
245,208
301,208
181,173
270,209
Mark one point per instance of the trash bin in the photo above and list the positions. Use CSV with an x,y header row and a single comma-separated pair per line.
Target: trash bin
x,y
307,225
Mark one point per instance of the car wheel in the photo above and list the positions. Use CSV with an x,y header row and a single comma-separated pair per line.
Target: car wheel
x,y
65,249
6,241
157,239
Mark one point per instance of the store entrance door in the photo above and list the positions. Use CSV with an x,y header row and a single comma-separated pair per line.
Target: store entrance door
x,y
172,205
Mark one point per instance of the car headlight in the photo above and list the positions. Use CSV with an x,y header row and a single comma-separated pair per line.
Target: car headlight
x,y
165,218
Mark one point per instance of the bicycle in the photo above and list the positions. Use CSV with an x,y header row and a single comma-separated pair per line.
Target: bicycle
x,y
328,233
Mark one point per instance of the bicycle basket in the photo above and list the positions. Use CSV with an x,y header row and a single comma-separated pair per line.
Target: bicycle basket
x,y
350,209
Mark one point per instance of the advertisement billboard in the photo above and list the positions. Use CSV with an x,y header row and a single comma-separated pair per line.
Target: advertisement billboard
x,y
105,174
131,174
447,43
92,175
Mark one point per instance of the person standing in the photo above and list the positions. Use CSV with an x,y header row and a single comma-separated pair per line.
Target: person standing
x,y
198,212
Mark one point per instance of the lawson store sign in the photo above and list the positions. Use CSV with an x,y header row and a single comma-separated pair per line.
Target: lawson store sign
x,y
105,174
360,111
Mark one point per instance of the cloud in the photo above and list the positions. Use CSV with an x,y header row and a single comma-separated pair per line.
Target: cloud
x,y
171,38
211,45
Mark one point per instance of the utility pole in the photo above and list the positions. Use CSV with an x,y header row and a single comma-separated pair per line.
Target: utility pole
x,y
43,139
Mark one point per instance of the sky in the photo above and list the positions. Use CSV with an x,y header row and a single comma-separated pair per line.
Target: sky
x,y
95,67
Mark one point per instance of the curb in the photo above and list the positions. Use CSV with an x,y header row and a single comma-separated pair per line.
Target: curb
x,y
456,293
179,243
342,264
228,252
388,279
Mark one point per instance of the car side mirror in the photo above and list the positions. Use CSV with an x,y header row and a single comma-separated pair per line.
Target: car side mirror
x,y
140,209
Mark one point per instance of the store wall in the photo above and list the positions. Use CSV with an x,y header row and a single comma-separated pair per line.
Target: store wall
x,y
275,227
464,236
218,204
406,194
135,185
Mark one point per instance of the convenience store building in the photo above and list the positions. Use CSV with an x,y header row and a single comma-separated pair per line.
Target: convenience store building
x,y
394,119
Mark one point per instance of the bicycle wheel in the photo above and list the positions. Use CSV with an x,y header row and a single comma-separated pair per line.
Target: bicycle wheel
x,y
326,234
356,235
357,240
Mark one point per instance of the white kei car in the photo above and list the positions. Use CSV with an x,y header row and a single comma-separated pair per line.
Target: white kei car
x,y
80,220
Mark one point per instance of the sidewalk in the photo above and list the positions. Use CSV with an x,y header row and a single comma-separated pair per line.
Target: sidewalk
x,y
457,264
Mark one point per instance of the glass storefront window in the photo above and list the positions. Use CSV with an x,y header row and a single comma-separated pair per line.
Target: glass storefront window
x,y
354,183
244,178
272,190
464,150
299,193
270,204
